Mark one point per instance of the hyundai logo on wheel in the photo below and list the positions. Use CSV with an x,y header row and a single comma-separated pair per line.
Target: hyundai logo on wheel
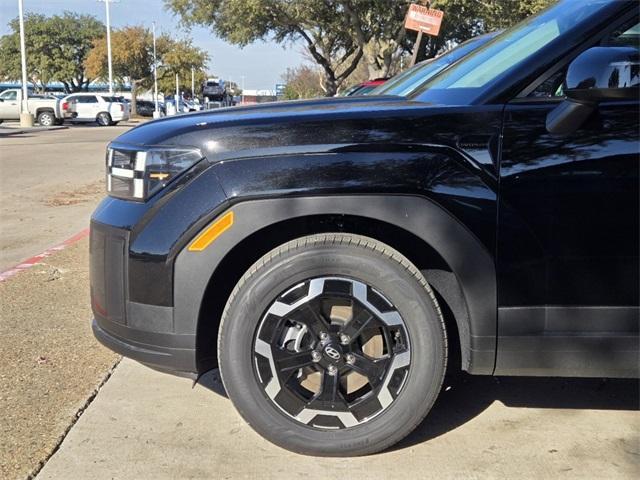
x,y
332,352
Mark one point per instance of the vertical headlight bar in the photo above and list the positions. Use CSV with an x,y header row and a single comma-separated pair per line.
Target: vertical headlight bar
x,y
138,174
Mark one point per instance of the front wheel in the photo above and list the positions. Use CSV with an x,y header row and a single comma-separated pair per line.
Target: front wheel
x,y
332,345
103,119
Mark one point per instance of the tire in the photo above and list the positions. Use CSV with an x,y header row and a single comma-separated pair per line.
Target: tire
x,y
46,118
113,124
103,119
407,318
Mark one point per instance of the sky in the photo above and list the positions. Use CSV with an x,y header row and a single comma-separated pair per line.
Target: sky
x,y
262,63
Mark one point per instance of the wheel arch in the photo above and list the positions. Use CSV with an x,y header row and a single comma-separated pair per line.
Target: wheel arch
x,y
456,265
40,110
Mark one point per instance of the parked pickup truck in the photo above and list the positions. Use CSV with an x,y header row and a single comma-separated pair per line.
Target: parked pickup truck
x,y
46,109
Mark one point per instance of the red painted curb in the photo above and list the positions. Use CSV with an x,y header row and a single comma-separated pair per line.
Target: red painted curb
x,y
30,262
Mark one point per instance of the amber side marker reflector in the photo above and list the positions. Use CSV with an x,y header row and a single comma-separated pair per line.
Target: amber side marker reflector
x,y
212,232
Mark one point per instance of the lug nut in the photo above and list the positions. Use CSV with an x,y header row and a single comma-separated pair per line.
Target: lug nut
x,y
332,370
315,356
323,335
350,359
344,339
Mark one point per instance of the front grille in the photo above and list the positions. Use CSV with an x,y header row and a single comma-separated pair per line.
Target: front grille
x,y
108,248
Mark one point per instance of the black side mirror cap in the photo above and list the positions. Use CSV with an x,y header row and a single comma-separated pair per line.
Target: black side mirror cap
x,y
596,75
604,73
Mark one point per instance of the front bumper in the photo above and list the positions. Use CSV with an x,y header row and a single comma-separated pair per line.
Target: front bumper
x,y
167,352
143,332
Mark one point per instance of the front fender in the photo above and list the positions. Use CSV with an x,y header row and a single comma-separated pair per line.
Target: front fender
x,y
470,260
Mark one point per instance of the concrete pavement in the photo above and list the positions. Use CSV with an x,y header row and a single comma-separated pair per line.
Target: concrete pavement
x,y
50,182
148,425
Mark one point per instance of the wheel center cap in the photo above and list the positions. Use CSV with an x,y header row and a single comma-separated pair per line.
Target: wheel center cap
x,y
332,352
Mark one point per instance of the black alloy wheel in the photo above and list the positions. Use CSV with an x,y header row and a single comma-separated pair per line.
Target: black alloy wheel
x,y
332,352
332,345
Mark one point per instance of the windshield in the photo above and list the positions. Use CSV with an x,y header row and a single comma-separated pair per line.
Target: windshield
x,y
411,79
475,74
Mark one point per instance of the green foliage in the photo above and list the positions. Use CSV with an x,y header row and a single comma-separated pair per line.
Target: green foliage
x,y
132,60
56,49
339,34
180,57
302,82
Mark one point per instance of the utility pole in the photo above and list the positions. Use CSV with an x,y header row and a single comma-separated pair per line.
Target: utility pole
x,y
106,6
26,120
193,83
177,102
156,112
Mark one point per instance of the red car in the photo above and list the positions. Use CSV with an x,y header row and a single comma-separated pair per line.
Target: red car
x,y
364,88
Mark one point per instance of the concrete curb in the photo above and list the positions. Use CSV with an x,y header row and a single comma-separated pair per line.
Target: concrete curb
x,y
5,132
30,262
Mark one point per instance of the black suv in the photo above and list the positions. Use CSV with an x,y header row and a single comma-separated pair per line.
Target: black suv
x,y
335,256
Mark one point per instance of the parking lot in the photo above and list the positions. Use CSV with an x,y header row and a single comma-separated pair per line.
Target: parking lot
x,y
71,409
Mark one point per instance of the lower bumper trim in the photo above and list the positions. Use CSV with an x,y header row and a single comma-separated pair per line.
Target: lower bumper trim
x,y
179,361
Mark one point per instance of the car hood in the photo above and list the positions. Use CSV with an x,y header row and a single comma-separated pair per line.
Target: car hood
x,y
281,127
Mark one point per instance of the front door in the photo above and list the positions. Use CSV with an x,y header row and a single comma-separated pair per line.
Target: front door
x,y
568,241
9,107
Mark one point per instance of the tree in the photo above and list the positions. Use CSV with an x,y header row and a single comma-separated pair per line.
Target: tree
x,y
302,82
132,59
339,34
180,57
319,24
131,55
56,49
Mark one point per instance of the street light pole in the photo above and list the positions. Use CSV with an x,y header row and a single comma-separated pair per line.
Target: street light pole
x,y
156,112
26,120
193,83
106,6
177,102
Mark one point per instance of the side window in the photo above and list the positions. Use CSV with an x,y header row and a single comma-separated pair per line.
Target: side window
x,y
87,99
551,87
624,37
13,95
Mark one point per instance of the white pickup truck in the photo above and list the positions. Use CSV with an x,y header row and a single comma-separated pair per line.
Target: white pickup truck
x,y
47,110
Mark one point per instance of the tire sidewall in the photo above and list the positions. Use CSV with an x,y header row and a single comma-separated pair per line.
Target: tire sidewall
x,y
395,282
48,115
106,121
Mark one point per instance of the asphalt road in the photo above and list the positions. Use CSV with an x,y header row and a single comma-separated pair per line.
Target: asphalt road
x,y
50,182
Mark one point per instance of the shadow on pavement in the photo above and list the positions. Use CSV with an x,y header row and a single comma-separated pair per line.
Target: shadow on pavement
x,y
466,396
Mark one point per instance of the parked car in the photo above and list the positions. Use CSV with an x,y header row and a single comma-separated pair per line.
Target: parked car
x,y
364,88
47,110
89,107
409,80
146,108
335,257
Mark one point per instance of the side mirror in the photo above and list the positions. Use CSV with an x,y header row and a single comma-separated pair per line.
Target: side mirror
x,y
596,75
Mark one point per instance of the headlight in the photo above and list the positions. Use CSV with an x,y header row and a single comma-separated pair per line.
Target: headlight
x,y
138,174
